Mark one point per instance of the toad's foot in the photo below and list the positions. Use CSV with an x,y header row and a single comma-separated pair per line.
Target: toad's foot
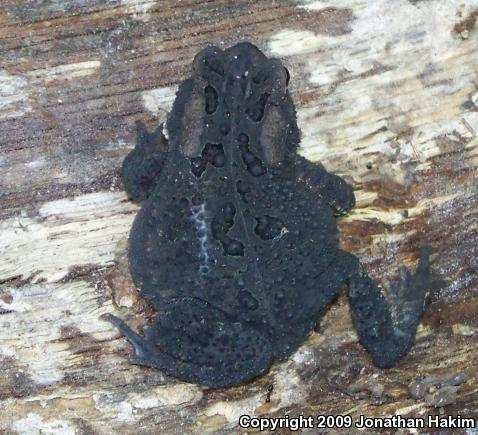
x,y
141,346
387,324
409,296
193,341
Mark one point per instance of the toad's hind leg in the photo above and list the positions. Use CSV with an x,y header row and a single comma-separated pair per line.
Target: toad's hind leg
x,y
387,324
142,166
193,341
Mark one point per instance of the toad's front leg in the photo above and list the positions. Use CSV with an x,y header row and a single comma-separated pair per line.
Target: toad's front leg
x,y
333,189
142,166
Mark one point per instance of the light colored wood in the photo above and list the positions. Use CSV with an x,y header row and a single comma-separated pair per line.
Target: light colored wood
x,y
387,96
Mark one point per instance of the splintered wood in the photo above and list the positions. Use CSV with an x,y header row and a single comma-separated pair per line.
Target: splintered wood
x,y
387,97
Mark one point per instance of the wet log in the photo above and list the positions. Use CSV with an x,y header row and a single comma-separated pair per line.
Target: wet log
x,y
386,94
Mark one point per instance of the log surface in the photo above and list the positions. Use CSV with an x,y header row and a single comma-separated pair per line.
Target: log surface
x,y
387,96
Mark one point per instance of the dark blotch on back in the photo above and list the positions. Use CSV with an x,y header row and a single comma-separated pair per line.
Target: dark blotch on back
x,y
220,226
254,164
213,154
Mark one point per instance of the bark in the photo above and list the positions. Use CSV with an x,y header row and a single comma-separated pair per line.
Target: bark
x,y
386,93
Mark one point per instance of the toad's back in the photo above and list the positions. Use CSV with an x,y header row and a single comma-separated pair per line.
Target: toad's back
x,y
231,222
236,244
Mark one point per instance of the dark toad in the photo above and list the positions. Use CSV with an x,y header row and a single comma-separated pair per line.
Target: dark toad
x,y
236,243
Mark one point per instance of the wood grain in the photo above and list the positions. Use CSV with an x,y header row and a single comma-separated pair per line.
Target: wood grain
x,y
387,96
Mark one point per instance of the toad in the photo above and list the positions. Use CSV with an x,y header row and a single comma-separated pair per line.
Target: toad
x,y
236,243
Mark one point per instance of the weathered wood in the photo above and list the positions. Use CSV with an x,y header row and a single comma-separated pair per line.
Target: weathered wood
x,y
387,96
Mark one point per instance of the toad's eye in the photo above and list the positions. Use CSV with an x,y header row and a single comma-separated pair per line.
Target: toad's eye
x,y
287,76
259,77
